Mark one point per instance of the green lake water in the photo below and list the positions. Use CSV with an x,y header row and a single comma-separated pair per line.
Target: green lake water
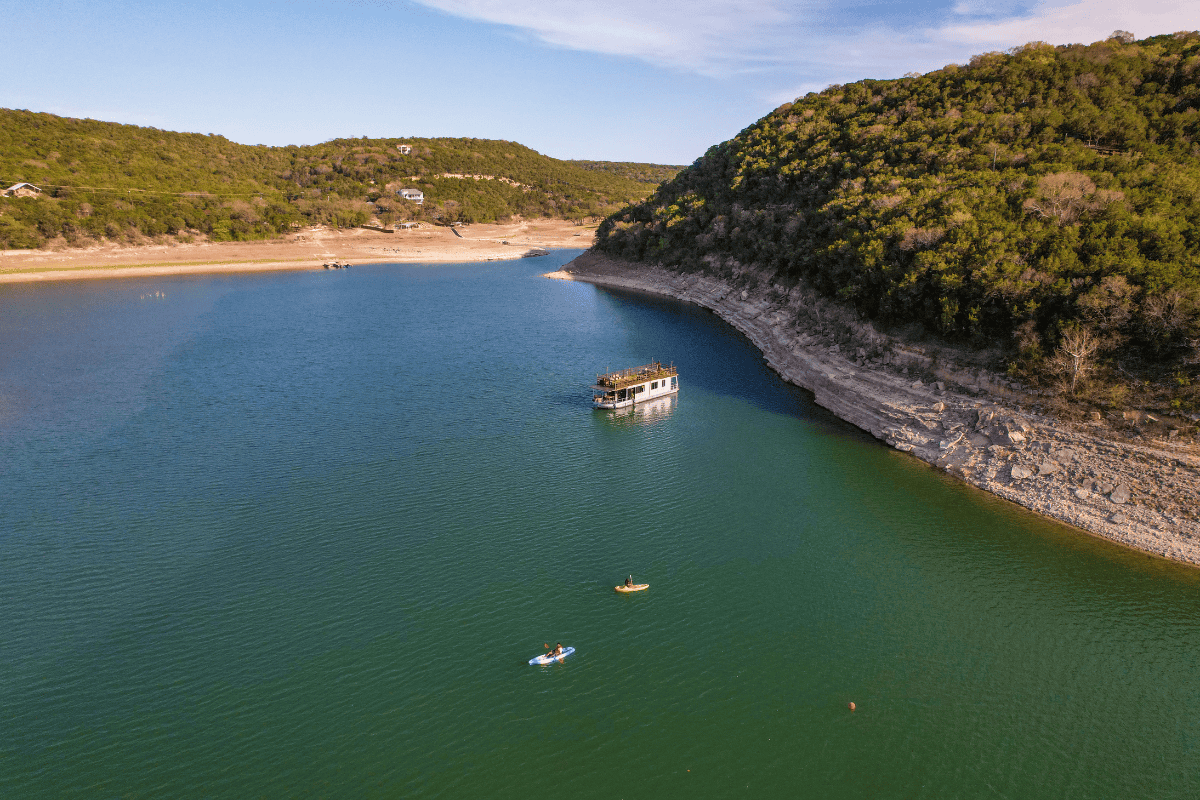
x,y
298,534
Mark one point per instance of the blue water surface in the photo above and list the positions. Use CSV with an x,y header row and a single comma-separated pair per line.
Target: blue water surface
x,y
298,535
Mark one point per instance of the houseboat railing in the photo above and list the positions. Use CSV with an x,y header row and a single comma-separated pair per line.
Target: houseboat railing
x,y
627,377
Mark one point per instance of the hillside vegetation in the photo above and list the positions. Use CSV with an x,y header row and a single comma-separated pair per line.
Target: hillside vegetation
x,y
1046,199
124,183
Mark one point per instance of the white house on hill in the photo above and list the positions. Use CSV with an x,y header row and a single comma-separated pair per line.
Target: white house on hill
x,y
416,195
22,190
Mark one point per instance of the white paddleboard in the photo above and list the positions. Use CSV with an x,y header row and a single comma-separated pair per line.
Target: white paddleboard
x,y
546,658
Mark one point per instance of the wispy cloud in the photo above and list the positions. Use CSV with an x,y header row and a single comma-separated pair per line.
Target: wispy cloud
x,y
708,37
1082,21
815,41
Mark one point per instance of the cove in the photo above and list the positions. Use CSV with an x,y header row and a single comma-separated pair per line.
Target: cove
x,y
298,534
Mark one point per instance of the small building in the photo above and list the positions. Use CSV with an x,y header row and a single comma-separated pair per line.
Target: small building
x,y
407,226
22,190
404,149
415,195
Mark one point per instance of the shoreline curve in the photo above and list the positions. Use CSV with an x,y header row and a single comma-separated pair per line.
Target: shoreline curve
x,y
970,425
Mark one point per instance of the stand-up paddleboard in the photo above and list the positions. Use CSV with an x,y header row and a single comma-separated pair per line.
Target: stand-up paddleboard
x,y
637,587
546,658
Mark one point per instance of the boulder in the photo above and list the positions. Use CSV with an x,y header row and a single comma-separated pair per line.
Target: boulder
x,y
939,407
1082,493
1047,467
979,440
1120,495
1003,436
1020,473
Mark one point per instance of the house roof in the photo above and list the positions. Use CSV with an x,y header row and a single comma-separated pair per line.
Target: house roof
x,y
16,186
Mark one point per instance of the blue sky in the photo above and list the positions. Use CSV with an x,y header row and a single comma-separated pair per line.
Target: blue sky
x,y
621,80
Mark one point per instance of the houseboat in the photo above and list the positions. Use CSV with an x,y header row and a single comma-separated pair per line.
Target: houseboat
x,y
634,385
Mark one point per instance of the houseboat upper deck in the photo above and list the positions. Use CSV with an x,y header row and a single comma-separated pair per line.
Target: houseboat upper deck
x,y
634,385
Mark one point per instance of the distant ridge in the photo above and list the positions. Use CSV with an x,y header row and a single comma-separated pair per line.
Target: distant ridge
x,y
125,182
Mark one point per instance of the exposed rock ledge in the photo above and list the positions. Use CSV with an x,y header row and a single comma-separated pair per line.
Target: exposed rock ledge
x,y
1144,497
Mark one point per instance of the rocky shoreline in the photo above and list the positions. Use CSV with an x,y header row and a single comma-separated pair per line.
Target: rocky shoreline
x,y
957,418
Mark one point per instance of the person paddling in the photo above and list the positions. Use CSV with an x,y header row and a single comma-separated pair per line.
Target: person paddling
x,y
629,581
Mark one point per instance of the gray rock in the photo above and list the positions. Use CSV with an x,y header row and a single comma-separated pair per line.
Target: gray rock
x,y
1082,493
941,387
1048,467
1004,436
1020,473
939,407
1118,519
1104,488
979,440
1120,495
917,384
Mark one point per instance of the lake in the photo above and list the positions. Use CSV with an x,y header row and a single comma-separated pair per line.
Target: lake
x,y
298,534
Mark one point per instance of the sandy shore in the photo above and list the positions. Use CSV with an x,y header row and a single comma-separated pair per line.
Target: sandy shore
x,y
958,418
308,249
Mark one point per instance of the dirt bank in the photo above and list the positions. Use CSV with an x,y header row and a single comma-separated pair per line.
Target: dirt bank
x,y
956,417
308,249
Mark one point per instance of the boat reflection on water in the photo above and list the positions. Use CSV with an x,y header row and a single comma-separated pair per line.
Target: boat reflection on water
x,y
649,411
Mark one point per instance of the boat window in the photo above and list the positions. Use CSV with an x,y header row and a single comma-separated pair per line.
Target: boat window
x,y
674,383
654,385
641,388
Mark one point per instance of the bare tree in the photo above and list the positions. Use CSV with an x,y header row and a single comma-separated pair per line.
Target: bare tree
x,y
1165,315
1076,354
1062,196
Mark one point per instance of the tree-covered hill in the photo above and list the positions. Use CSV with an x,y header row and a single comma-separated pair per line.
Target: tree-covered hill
x,y
123,182
1048,197
642,173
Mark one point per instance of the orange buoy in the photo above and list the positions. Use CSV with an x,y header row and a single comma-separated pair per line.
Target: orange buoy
x,y
852,706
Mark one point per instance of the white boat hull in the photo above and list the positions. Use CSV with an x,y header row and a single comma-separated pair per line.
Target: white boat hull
x,y
670,386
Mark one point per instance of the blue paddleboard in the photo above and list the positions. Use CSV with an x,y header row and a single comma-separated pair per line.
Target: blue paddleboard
x,y
546,658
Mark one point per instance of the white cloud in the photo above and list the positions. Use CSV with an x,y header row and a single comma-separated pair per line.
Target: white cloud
x,y
709,37
807,44
1083,21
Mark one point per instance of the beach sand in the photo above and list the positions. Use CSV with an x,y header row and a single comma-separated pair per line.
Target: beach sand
x,y
306,249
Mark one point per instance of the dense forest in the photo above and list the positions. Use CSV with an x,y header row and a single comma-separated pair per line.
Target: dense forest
x,y
102,180
1046,199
